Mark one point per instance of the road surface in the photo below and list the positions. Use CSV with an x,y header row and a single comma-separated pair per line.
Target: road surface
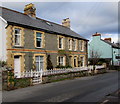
x,y
84,89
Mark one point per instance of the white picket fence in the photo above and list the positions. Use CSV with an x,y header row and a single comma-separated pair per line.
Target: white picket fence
x,y
37,75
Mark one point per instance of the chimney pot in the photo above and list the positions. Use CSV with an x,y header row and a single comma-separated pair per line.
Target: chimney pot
x,y
96,34
66,22
108,39
30,10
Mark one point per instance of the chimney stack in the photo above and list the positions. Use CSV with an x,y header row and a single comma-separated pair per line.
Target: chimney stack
x,y
108,39
96,34
30,10
66,22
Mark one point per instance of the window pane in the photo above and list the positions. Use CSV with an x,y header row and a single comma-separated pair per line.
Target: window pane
x,y
60,61
38,43
38,39
37,66
75,61
60,42
81,60
39,62
41,58
17,31
17,36
17,39
37,58
38,34
41,65
69,44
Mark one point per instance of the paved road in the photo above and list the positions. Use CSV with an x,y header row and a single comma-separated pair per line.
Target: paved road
x,y
85,89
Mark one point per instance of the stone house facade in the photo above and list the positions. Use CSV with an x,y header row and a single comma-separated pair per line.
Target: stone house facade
x,y
34,43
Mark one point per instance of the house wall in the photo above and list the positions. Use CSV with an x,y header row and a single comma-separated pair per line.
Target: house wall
x,y
3,24
104,49
115,53
29,50
100,46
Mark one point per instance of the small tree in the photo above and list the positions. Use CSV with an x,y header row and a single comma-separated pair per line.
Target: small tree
x,y
94,57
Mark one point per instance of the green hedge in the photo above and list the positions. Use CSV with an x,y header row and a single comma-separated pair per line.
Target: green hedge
x,y
22,82
114,67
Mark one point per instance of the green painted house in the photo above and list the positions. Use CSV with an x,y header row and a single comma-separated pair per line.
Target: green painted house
x,y
105,49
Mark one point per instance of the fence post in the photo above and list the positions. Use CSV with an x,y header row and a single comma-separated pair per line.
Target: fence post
x,y
41,73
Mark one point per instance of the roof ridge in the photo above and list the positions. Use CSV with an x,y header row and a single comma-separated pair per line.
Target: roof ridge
x,y
36,17
57,28
51,22
112,44
12,10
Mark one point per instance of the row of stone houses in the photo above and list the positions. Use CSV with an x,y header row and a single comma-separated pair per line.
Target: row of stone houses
x,y
29,42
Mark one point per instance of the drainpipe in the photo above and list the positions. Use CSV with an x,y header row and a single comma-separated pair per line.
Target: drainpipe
x,y
112,57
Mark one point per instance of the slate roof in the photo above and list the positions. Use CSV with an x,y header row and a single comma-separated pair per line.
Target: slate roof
x,y
14,17
112,44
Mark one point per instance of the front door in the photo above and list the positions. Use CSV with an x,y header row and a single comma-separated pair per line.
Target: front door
x,y
17,66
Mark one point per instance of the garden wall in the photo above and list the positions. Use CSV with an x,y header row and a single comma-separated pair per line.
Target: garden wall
x,y
69,75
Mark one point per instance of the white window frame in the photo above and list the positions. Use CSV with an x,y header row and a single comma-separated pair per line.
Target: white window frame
x,y
63,63
75,44
39,38
17,35
70,44
62,42
83,61
81,45
39,61
75,58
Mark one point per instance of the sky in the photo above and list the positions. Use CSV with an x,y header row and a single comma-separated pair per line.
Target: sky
x,y
86,18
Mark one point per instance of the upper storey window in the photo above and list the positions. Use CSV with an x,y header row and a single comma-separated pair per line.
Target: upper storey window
x,y
70,44
81,45
61,42
75,44
38,39
17,38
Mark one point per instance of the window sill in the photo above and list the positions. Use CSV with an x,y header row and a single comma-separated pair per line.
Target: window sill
x,y
70,49
75,50
38,47
18,46
60,48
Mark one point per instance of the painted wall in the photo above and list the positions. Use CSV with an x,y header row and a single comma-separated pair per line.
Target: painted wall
x,y
3,24
100,46
115,53
103,48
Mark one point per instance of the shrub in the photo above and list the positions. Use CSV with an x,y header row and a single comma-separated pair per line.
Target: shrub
x,y
22,82
67,66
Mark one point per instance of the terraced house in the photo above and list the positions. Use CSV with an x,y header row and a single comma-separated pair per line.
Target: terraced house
x,y
29,42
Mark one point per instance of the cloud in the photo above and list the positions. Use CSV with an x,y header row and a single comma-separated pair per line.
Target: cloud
x,y
86,17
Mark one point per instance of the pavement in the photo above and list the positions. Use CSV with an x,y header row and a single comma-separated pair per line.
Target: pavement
x,y
112,98
84,89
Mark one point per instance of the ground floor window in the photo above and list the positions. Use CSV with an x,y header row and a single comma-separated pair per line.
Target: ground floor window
x,y
82,61
39,61
75,61
61,60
